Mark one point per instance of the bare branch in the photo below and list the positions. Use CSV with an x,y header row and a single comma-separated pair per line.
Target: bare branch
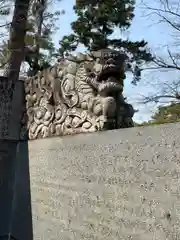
x,y
157,98
5,25
164,13
168,13
159,10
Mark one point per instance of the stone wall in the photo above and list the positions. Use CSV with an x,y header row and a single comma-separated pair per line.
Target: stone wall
x,y
113,185
10,109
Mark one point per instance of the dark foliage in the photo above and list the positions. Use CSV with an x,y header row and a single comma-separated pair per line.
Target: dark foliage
x,y
95,25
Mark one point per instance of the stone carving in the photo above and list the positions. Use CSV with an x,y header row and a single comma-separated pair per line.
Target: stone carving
x,y
82,93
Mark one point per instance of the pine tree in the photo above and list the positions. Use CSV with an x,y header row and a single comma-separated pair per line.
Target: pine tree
x,y
39,46
16,41
39,38
5,9
96,23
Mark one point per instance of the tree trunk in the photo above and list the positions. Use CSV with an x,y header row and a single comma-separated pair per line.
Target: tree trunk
x,y
17,41
39,29
39,18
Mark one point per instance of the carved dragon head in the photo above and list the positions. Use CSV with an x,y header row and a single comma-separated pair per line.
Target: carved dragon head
x,y
106,74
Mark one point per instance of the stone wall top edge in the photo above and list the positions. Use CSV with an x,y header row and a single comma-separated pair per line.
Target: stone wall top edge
x,y
123,133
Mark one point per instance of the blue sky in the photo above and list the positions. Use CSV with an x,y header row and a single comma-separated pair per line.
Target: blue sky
x,y
142,28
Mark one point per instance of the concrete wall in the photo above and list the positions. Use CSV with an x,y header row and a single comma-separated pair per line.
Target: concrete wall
x,y
112,185
10,114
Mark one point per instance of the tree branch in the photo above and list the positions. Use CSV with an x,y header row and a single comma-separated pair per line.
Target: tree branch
x,y
161,10
157,98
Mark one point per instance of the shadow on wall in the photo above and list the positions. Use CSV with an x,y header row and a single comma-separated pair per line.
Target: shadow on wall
x,y
22,227
22,212
15,221
15,194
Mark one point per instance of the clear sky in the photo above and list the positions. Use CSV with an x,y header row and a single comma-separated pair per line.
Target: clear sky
x,y
142,28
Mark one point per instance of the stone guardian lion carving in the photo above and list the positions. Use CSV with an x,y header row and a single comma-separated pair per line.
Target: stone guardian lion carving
x,y
79,94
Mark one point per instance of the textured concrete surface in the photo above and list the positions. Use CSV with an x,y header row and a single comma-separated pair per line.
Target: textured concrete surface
x,y
10,114
7,175
113,185
5,107
17,109
22,212
10,109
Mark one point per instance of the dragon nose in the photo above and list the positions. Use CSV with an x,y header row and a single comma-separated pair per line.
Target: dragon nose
x,y
110,61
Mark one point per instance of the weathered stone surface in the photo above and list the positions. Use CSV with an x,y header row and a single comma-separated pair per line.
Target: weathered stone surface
x,y
5,107
113,185
82,91
11,104
11,109
17,111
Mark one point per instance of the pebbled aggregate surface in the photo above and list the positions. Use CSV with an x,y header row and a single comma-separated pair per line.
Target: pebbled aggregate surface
x,y
113,185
